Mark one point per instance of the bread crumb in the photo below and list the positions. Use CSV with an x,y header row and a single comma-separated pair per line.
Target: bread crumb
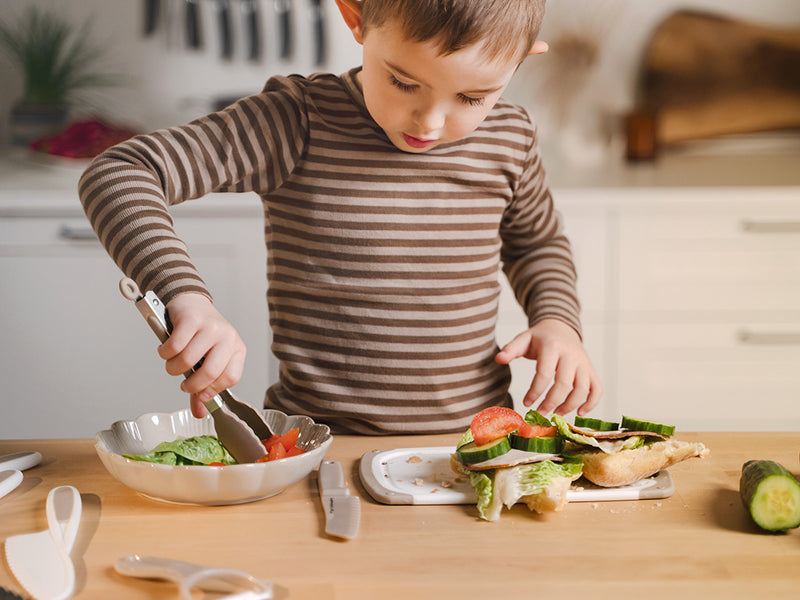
x,y
446,484
414,459
434,490
419,481
595,505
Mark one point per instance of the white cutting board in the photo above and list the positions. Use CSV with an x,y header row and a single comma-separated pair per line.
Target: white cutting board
x,y
424,476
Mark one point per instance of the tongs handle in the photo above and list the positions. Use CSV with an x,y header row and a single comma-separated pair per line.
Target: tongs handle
x,y
151,307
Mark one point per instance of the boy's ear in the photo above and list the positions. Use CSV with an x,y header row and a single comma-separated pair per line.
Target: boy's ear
x,y
351,13
539,47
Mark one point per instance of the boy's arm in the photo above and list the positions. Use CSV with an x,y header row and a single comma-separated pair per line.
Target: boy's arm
x,y
127,190
537,260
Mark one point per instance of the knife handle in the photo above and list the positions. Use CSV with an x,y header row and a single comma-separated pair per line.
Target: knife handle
x,y
193,33
320,49
152,11
253,28
224,21
331,478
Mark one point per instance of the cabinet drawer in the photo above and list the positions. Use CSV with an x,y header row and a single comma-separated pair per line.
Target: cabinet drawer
x,y
709,262
735,376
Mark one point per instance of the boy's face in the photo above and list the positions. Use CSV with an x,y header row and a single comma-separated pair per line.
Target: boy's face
x,y
422,99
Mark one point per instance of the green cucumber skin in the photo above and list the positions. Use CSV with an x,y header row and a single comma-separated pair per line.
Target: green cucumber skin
x,y
470,453
552,445
596,424
639,425
759,477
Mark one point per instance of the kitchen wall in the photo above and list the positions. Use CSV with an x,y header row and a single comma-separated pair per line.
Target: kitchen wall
x,y
167,83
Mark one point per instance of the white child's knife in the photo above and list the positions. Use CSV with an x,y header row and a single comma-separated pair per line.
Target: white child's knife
x,y
342,511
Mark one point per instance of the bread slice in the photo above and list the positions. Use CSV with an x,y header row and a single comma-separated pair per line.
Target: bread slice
x,y
628,466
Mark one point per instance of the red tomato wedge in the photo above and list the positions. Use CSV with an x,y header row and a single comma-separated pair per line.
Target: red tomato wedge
x,y
288,440
282,446
493,423
535,431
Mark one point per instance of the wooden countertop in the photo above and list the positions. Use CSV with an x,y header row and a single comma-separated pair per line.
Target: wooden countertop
x,y
697,543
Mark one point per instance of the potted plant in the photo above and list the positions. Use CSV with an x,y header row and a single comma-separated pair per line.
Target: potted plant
x,y
58,63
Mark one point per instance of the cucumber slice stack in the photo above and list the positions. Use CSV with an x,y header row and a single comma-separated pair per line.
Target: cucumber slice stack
x,y
542,445
596,424
471,453
637,425
771,495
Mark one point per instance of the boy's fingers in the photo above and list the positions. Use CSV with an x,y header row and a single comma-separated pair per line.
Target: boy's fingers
x,y
514,349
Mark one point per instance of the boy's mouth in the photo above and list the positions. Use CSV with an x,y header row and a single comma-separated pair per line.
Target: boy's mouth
x,y
416,142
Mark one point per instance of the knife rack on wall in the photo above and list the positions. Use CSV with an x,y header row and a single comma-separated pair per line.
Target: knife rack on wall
x,y
239,30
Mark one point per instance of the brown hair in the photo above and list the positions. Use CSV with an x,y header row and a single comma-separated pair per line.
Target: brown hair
x,y
508,28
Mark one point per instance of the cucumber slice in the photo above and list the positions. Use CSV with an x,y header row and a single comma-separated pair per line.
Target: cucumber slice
x,y
770,494
596,424
470,453
543,445
637,425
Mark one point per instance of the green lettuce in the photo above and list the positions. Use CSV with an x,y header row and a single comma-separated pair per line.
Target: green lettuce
x,y
534,417
197,450
542,486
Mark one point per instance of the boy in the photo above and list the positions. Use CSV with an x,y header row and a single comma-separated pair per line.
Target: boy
x,y
392,194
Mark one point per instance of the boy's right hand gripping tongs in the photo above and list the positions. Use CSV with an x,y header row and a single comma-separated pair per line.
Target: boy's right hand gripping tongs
x,y
238,426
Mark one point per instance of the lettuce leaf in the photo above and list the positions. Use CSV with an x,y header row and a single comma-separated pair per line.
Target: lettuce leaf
x,y
534,417
197,450
542,486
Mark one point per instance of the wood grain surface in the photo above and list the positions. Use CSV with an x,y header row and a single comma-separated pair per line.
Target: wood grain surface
x,y
698,543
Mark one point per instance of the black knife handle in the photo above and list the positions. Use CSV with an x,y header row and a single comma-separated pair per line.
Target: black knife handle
x,y
320,49
224,21
253,28
284,10
194,37
152,10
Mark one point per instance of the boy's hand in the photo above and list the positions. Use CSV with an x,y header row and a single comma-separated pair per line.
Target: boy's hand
x,y
560,356
199,331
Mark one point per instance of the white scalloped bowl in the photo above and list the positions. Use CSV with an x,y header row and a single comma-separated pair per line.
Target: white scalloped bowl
x,y
204,485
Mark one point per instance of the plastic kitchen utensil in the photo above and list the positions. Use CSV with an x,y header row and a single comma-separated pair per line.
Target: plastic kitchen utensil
x,y
9,480
342,511
188,576
41,561
238,426
20,461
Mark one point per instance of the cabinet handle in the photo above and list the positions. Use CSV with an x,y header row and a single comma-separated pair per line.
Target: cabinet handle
x,y
769,338
756,226
76,234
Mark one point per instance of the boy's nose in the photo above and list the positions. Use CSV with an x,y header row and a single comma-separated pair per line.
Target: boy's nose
x,y
429,118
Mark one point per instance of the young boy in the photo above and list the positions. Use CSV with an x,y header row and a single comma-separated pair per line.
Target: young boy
x,y
392,195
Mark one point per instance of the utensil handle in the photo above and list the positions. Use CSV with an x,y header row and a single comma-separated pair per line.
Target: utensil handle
x,y
63,510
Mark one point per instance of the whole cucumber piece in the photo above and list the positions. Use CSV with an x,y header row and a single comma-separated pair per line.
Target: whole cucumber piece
x,y
770,494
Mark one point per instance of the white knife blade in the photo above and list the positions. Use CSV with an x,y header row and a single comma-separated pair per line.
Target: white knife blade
x,y
342,511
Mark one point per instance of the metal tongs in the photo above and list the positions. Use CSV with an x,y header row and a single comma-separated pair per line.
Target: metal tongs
x,y
238,425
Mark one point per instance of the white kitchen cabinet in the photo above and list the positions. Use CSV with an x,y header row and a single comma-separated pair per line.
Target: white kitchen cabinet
x,y
709,310
78,356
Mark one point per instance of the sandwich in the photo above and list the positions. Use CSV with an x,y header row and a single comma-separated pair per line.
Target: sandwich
x,y
617,454
509,459
532,459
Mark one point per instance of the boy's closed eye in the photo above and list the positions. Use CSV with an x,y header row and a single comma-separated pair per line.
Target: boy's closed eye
x,y
410,87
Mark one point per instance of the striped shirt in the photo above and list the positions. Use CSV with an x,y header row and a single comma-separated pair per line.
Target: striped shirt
x,y
382,265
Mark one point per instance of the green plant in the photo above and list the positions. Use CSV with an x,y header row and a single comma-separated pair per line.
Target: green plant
x,y
58,60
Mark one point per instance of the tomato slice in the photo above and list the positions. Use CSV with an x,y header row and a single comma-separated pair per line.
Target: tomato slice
x,y
534,431
288,440
295,451
216,464
494,422
276,452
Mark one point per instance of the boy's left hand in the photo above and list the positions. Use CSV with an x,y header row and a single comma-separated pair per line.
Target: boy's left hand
x,y
561,358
